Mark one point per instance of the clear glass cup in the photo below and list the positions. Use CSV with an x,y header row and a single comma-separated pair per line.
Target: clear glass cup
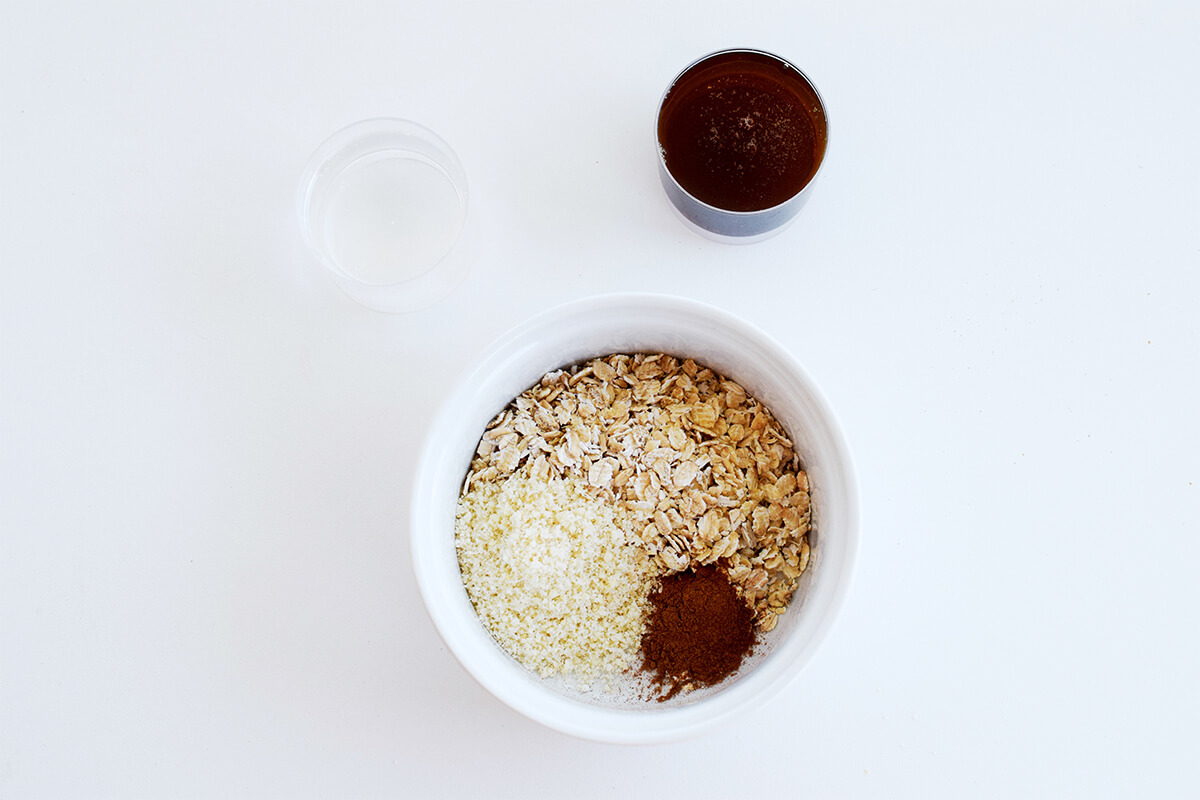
x,y
383,206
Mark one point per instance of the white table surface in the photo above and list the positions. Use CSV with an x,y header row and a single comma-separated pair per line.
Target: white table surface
x,y
206,449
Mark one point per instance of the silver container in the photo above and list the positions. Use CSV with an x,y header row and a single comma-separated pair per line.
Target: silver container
x,y
740,227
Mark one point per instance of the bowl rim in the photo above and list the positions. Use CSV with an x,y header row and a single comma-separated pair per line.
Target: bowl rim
x,y
571,716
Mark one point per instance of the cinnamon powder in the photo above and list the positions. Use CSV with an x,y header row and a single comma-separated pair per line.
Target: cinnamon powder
x,y
698,632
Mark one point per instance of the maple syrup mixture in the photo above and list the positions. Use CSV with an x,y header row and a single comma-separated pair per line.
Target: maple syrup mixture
x,y
742,131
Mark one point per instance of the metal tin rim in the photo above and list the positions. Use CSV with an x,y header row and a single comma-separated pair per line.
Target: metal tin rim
x,y
662,157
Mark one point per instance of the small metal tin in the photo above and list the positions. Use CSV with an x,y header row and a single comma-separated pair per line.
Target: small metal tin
x,y
739,227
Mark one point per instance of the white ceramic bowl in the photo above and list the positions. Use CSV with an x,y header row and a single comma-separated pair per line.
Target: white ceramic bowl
x,y
636,323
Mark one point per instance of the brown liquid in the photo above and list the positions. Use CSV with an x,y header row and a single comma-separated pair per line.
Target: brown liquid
x,y
742,131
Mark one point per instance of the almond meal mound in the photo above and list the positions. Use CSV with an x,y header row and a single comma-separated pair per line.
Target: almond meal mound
x,y
553,576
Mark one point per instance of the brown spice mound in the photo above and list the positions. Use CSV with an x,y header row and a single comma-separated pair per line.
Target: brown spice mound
x,y
698,632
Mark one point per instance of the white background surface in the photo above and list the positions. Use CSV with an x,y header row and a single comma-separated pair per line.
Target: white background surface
x,y
206,450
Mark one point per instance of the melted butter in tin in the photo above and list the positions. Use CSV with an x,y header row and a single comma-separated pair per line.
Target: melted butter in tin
x,y
742,132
